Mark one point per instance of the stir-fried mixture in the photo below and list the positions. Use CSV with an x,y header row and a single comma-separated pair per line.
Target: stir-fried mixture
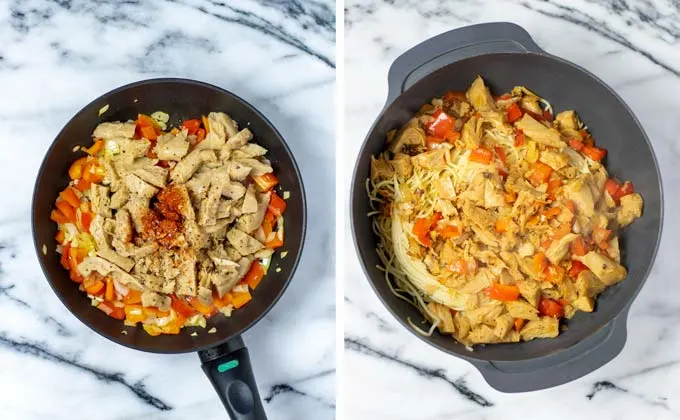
x,y
169,228
495,219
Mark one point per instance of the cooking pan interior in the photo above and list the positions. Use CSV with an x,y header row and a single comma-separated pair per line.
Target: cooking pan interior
x,y
181,99
613,127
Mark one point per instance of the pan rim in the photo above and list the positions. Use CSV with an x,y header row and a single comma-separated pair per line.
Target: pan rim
x,y
222,91
610,316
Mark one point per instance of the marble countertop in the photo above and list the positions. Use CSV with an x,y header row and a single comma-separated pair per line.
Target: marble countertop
x,y
55,57
634,47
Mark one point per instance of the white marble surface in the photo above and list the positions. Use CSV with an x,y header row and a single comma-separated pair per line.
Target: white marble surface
x,y
635,47
56,56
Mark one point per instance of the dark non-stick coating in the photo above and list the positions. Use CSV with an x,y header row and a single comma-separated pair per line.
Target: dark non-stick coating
x,y
613,126
181,99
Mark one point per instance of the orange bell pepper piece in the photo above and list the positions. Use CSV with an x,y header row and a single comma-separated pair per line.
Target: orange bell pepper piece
x,y
200,135
481,155
240,299
86,220
182,307
595,153
276,242
192,126
93,172
133,296
93,286
502,292
110,290
69,195
539,262
277,205
265,182
502,225
60,237
519,323
206,124
449,231
254,275
520,138
146,127
549,307
76,169
576,268
58,217
64,256
442,124
67,210
540,174
514,113
82,185
95,148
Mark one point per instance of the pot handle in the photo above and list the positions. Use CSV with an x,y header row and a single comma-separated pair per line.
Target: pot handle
x,y
559,368
452,46
229,370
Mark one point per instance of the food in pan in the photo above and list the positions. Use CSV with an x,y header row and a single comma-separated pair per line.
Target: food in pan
x,y
168,228
495,219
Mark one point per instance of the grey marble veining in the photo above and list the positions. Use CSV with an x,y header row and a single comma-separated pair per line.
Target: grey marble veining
x,y
634,46
55,57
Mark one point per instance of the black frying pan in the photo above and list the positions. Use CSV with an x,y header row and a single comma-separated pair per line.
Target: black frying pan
x,y
506,56
223,354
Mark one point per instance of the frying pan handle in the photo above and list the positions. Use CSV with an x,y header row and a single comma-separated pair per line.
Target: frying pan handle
x,y
229,370
559,368
452,46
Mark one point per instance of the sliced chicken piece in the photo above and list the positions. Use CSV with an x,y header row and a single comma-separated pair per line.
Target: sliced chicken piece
x,y
123,226
119,198
225,280
479,96
462,325
238,140
208,207
445,187
544,327
195,235
579,192
172,147
138,187
631,209
584,303
443,316
380,169
257,168
530,290
567,123
402,165
153,299
212,141
186,167
504,325
409,138
186,280
138,208
433,159
233,190
112,256
540,133
250,222
244,243
157,284
558,249
250,150
607,271
98,233
521,309
224,208
198,185
112,130
154,175
493,193
103,267
237,171
100,201
111,178
471,135
554,159
222,124
249,201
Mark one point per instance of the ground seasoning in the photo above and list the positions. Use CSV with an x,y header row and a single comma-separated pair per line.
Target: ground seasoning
x,y
163,223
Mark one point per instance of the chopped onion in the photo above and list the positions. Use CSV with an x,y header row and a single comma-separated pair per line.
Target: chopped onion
x,y
122,289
